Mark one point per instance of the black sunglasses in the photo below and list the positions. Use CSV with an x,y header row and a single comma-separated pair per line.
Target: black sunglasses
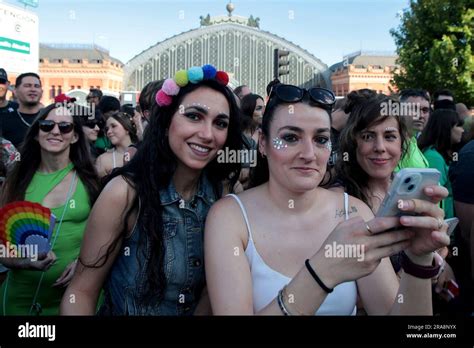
x,y
91,124
48,126
293,94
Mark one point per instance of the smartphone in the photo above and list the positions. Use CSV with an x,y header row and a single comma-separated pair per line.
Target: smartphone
x,y
407,184
452,223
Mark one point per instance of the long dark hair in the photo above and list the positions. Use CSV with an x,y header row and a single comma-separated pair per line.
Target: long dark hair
x,y
260,173
365,111
30,155
247,106
437,132
152,169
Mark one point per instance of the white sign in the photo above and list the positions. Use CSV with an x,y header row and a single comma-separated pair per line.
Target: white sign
x,y
19,42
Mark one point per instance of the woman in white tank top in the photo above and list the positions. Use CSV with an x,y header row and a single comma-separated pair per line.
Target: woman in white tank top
x,y
290,247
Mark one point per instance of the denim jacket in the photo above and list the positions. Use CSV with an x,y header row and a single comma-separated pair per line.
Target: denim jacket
x,y
184,259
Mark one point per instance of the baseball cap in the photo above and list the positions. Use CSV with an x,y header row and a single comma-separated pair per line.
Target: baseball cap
x,y
3,76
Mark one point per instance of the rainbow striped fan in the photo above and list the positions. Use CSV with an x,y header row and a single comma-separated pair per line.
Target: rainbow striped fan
x,y
27,223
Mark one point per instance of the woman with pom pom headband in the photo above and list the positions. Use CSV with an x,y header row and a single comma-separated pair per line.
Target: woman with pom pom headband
x,y
172,86
177,173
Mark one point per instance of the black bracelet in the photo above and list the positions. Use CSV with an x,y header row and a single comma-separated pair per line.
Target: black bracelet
x,y
315,276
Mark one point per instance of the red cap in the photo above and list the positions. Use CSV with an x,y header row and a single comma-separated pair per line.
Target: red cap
x,y
61,98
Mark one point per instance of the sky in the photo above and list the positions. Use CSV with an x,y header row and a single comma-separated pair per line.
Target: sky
x,y
328,29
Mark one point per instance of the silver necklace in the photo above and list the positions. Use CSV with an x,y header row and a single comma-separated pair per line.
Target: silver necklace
x,y
22,119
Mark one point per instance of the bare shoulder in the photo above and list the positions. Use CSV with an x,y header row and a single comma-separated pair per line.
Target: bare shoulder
x,y
105,156
227,212
118,190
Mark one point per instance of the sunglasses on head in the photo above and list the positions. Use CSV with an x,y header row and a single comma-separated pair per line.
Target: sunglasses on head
x,y
293,94
48,126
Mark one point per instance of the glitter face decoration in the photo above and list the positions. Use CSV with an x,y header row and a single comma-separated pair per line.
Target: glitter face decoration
x,y
328,146
278,143
199,104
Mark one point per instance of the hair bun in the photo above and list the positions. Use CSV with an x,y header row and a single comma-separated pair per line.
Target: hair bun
x,y
358,97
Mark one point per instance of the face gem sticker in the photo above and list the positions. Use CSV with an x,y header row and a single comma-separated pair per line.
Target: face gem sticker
x,y
278,144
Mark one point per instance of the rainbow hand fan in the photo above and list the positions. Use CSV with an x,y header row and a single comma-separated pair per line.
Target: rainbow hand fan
x,y
27,223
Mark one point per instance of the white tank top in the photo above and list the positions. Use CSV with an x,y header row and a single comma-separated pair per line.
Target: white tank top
x,y
266,282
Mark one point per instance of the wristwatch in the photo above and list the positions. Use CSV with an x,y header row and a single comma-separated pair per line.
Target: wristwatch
x,y
418,271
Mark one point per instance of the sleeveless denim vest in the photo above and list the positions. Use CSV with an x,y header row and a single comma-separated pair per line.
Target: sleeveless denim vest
x,y
184,259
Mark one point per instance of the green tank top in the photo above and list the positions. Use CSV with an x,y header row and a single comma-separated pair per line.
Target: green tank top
x,y
17,292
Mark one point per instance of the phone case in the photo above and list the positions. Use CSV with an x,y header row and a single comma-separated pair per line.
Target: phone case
x,y
452,223
408,184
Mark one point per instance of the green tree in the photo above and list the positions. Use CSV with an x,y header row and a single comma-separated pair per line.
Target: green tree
x,y
435,47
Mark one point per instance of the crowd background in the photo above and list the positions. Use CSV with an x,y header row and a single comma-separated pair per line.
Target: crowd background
x,y
64,150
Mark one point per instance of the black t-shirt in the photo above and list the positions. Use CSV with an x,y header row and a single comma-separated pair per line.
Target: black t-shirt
x,y
12,126
461,174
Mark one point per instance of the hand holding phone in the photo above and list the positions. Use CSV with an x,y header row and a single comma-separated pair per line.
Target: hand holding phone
x,y
409,183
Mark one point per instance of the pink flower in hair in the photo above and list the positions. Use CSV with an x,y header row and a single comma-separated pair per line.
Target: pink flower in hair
x,y
162,99
170,87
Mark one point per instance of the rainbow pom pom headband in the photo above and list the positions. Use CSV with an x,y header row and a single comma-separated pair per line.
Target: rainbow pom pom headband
x,y
196,74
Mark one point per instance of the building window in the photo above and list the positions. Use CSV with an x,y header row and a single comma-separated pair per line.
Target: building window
x,y
56,61
52,92
76,61
78,87
41,60
60,90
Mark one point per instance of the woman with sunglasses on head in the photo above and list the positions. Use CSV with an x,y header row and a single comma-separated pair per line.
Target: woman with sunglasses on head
x,y
56,171
442,132
147,252
121,132
280,253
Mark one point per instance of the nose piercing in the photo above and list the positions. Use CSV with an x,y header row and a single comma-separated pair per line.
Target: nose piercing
x,y
278,144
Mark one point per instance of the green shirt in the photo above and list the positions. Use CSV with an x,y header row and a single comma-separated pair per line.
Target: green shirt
x,y
413,158
437,161
103,143
20,286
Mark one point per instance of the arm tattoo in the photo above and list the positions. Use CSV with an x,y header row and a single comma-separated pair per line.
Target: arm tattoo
x,y
342,212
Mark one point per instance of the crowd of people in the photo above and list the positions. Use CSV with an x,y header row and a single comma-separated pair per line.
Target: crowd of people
x,y
152,220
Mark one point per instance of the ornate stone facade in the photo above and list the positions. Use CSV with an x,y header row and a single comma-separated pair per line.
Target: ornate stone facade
x,y
231,43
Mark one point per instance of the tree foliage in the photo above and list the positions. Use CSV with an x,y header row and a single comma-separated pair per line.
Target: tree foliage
x,y
435,46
